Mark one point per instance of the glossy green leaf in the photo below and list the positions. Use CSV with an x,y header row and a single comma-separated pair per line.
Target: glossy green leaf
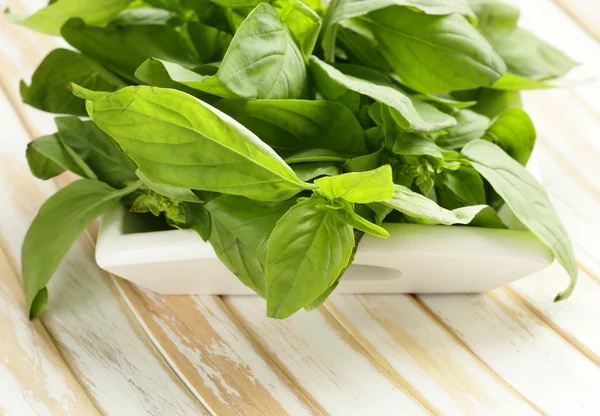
x,y
514,132
50,19
469,126
48,157
362,224
49,89
425,211
103,156
360,187
306,253
312,170
62,218
179,141
287,125
415,145
180,194
332,83
124,49
340,10
492,102
303,22
262,61
210,43
459,188
360,45
249,221
435,53
527,199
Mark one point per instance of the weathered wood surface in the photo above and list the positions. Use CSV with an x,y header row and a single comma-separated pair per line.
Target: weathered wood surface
x,y
107,347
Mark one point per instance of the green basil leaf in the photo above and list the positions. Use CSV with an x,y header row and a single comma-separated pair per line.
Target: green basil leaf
x,y
356,221
425,211
179,141
249,221
50,19
360,45
435,53
445,102
512,82
49,85
493,102
62,218
340,10
527,199
48,157
514,132
495,13
460,187
211,43
333,84
262,61
238,258
124,49
169,75
288,125
315,155
142,16
180,194
236,4
306,253
312,170
415,145
469,126
98,151
360,187
365,162
303,22
196,218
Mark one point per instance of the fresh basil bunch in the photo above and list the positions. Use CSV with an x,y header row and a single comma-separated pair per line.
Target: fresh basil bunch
x,y
283,131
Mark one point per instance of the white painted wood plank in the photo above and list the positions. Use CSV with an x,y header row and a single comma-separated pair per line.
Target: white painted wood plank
x,y
521,349
34,379
215,356
325,361
397,330
91,325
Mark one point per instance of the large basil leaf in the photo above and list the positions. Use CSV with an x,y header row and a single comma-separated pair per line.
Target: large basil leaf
x,y
346,9
425,211
124,48
299,124
527,199
103,156
49,85
435,53
514,132
62,218
262,61
303,22
180,141
306,253
50,19
238,258
48,156
249,221
360,187
333,84
469,126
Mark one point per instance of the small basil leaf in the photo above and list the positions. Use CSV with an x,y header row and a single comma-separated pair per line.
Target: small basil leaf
x,y
416,145
98,151
527,199
356,221
306,253
288,125
303,22
514,132
333,84
49,89
63,216
50,19
360,187
312,170
48,157
460,187
469,126
180,194
493,102
434,53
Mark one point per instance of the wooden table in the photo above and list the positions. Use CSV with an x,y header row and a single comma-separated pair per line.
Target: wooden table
x,y
107,347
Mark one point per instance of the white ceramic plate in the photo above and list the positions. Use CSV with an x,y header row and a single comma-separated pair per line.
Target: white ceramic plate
x,y
415,259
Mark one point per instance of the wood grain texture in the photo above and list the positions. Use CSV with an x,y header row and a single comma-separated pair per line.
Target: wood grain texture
x,y
396,330
34,379
585,12
215,356
92,327
325,361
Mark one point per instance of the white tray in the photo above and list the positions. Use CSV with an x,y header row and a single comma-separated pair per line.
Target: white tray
x,y
415,259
